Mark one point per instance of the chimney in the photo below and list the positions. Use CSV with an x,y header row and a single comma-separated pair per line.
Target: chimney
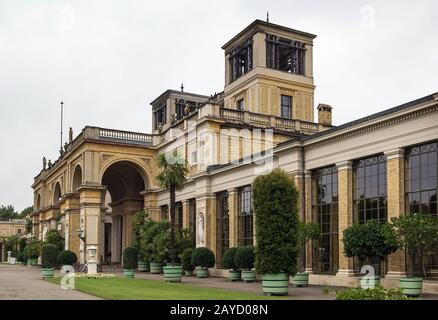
x,y
324,114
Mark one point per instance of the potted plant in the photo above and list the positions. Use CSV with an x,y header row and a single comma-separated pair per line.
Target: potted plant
x,y
173,271
368,241
172,176
154,240
129,261
275,207
144,261
244,260
418,235
306,232
186,261
138,224
203,258
21,257
67,258
32,251
234,274
49,256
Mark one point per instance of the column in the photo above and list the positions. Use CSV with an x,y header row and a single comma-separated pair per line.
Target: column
x,y
233,216
345,191
115,239
150,205
90,208
308,218
186,214
396,205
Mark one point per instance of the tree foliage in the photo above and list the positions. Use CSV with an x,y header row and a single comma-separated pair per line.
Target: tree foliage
x,y
53,237
228,259
275,207
245,257
203,257
49,256
130,255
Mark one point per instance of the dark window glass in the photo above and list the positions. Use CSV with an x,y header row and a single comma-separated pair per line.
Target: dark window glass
x,y
286,107
245,217
370,202
241,104
222,226
285,55
325,214
241,60
192,219
160,116
165,212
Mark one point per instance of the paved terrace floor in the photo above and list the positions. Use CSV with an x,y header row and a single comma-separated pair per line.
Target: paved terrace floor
x,y
25,283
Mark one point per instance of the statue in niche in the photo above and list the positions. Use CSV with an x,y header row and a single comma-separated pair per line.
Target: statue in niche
x,y
200,232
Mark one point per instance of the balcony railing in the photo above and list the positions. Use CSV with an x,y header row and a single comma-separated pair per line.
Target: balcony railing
x,y
231,114
125,136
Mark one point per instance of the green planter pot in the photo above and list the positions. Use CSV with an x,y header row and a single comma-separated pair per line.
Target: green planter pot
x,y
156,267
411,287
369,282
301,279
128,273
275,284
48,273
188,273
143,266
201,272
248,275
234,275
172,273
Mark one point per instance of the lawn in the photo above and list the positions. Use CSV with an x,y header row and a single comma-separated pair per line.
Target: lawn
x,y
141,289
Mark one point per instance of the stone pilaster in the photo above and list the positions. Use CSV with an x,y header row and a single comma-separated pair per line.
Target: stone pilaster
x,y
308,218
396,205
186,214
150,205
345,185
233,216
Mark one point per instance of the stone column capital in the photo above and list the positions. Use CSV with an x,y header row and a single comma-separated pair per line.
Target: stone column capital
x,y
345,165
396,153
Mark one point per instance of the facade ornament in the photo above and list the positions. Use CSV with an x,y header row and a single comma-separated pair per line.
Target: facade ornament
x,y
61,151
44,163
173,118
160,127
70,135
200,232
50,164
65,146
187,109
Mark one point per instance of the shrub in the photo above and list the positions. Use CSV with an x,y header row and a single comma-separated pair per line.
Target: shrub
x,y
245,257
186,260
203,257
33,249
369,240
21,257
306,232
275,207
53,237
49,256
67,257
377,293
154,239
183,242
228,259
130,258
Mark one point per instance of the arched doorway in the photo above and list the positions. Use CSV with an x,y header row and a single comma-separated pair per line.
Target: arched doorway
x,y
77,178
57,194
124,181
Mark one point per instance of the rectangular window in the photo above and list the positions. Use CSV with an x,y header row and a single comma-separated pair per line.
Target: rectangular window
x,y
241,105
285,55
241,60
222,226
179,108
286,107
246,237
325,214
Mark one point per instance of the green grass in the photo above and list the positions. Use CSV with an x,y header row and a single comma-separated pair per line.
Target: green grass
x,y
141,289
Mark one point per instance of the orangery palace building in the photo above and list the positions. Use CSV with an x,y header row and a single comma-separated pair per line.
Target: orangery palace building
x,y
377,167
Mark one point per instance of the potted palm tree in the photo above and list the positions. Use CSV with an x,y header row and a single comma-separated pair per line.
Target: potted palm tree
x,y
275,207
129,261
244,260
172,176
306,232
49,256
370,241
203,258
234,274
418,235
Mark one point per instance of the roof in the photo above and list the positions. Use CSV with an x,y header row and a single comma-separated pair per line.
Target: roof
x,y
401,107
170,91
260,23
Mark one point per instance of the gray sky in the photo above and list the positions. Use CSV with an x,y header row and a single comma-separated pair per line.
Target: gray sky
x,y
108,59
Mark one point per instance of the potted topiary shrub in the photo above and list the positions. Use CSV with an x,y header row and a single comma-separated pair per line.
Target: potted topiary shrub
x,y
49,256
275,207
203,258
186,261
67,258
418,235
244,260
368,241
129,261
234,274
306,232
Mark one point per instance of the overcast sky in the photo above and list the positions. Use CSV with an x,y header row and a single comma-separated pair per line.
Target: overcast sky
x,y
108,59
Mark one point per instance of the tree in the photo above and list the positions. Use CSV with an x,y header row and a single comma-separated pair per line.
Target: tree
x,y
275,207
25,212
418,234
8,212
370,240
53,237
172,176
